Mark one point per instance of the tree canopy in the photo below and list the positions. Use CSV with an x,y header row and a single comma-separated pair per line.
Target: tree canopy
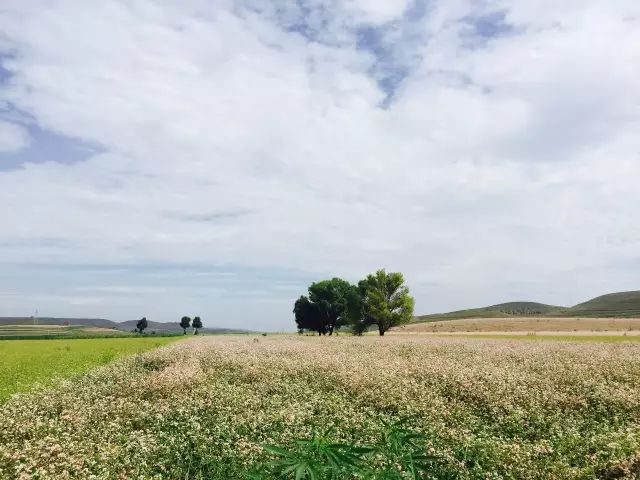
x,y
142,324
385,300
332,298
325,308
185,322
308,316
381,299
197,324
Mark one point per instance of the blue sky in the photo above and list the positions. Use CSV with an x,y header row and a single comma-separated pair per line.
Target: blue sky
x,y
213,158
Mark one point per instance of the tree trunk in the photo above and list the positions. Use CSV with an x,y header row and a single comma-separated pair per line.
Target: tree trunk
x,y
196,332
184,331
381,330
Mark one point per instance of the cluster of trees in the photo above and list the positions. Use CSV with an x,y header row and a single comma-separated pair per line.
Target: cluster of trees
x,y
381,299
185,322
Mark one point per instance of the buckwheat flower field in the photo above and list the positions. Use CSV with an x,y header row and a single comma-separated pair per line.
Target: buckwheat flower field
x,y
204,408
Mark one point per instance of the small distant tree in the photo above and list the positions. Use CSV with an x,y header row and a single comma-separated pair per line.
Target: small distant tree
x,y
185,322
141,325
197,324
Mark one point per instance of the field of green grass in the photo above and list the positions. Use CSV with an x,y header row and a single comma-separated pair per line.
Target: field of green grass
x,y
27,362
228,407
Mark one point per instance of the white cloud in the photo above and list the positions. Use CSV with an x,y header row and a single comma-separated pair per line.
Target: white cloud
x,y
13,138
378,11
505,166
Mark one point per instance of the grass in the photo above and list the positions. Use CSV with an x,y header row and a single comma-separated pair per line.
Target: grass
x,y
28,362
620,304
220,407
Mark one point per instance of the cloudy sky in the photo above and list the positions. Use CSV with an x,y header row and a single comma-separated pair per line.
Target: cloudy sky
x,y
213,157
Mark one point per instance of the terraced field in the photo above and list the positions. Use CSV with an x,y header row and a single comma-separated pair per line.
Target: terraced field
x,y
33,330
55,331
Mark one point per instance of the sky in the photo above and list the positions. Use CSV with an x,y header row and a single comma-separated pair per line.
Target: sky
x,y
212,158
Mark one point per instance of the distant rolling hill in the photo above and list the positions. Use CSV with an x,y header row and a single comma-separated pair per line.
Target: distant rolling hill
x,y
506,310
125,326
89,322
612,305
620,304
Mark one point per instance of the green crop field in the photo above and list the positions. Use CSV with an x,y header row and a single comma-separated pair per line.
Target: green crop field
x,y
27,362
253,407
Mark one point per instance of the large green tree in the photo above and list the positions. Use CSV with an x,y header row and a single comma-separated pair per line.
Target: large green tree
x,y
383,300
359,320
332,298
325,308
308,316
